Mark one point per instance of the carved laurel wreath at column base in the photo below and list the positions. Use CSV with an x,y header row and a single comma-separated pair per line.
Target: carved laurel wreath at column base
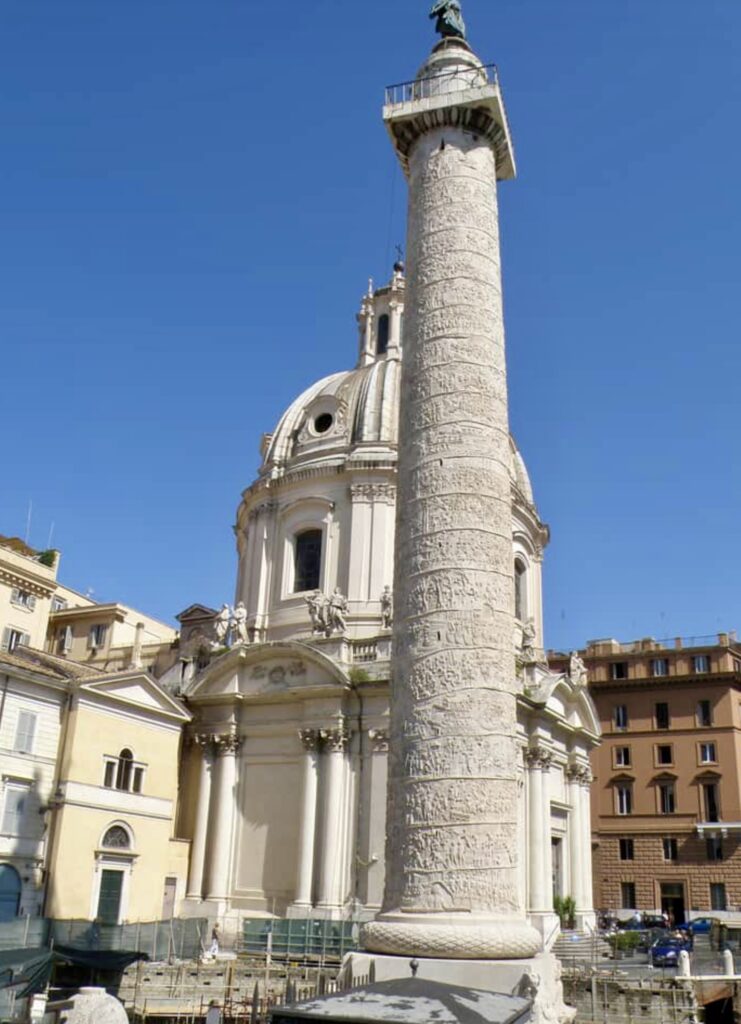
x,y
474,940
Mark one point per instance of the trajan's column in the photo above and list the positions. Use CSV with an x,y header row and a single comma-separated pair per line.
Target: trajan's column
x,y
452,847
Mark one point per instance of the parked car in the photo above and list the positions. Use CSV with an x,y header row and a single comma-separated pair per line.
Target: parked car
x,y
665,951
701,925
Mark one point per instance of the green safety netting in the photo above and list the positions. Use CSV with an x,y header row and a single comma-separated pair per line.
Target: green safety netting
x,y
29,970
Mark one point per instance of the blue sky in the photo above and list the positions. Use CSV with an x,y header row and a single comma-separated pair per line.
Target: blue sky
x,y
194,195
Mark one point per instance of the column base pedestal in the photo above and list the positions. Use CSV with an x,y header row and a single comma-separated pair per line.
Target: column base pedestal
x,y
537,978
454,936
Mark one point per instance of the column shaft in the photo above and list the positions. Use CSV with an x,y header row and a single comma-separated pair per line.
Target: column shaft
x,y
200,832
587,896
576,841
223,817
536,846
307,825
332,805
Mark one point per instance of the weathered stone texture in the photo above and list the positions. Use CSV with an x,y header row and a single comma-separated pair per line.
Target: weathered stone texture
x,y
454,669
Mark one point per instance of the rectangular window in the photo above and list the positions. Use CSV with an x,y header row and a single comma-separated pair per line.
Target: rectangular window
x,y
667,800
307,562
660,667
96,636
25,730
620,716
13,638
718,896
626,849
58,603
664,754
700,663
619,670
14,809
707,753
661,712
622,757
714,848
704,713
22,598
671,851
710,801
624,799
628,895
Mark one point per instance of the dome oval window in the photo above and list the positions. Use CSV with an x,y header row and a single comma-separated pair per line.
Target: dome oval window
x,y
323,422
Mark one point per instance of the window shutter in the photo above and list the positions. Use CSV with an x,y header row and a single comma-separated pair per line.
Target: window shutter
x,y
15,595
67,638
91,638
25,640
25,732
6,638
31,602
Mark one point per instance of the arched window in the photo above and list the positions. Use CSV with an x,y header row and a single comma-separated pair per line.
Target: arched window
x,y
10,892
520,590
117,838
123,772
382,337
307,560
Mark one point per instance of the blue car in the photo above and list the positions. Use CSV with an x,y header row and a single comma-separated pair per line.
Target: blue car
x,y
701,925
665,951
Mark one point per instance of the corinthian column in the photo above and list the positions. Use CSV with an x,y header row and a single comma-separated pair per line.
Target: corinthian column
x,y
198,846
307,825
576,835
451,864
334,745
538,763
223,815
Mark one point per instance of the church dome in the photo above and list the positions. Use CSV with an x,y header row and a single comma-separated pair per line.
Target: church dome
x,y
347,415
353,416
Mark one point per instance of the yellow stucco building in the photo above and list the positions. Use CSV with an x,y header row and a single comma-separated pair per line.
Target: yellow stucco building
x,y
113,855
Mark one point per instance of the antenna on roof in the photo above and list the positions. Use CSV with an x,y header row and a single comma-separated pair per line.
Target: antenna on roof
x,y
51,534
28,520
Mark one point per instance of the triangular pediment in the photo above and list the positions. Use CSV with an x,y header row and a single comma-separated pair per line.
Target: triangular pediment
x,y
136,689
272,671
196,612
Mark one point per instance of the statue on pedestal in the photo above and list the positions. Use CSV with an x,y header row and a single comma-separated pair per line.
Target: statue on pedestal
x,y
577,669
387,608
317,604
239,624
221,626
450,21
337,612
529,634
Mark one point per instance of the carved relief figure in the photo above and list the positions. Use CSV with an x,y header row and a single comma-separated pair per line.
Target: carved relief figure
x,y
337,612
317,604
387,608
239,624
221,626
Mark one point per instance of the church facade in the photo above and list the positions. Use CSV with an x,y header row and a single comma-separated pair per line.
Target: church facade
x,y
283,788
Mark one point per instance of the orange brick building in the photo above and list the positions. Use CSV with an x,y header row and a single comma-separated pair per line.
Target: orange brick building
x,y
666,796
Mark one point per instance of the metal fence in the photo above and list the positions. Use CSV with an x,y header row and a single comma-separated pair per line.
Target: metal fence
x,y
160,940
301,938
434,85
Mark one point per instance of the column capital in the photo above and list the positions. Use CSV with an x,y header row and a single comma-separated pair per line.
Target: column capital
x,y
227,743
309,739
204,740
579,773
334,740
379,492
538,758
379,740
